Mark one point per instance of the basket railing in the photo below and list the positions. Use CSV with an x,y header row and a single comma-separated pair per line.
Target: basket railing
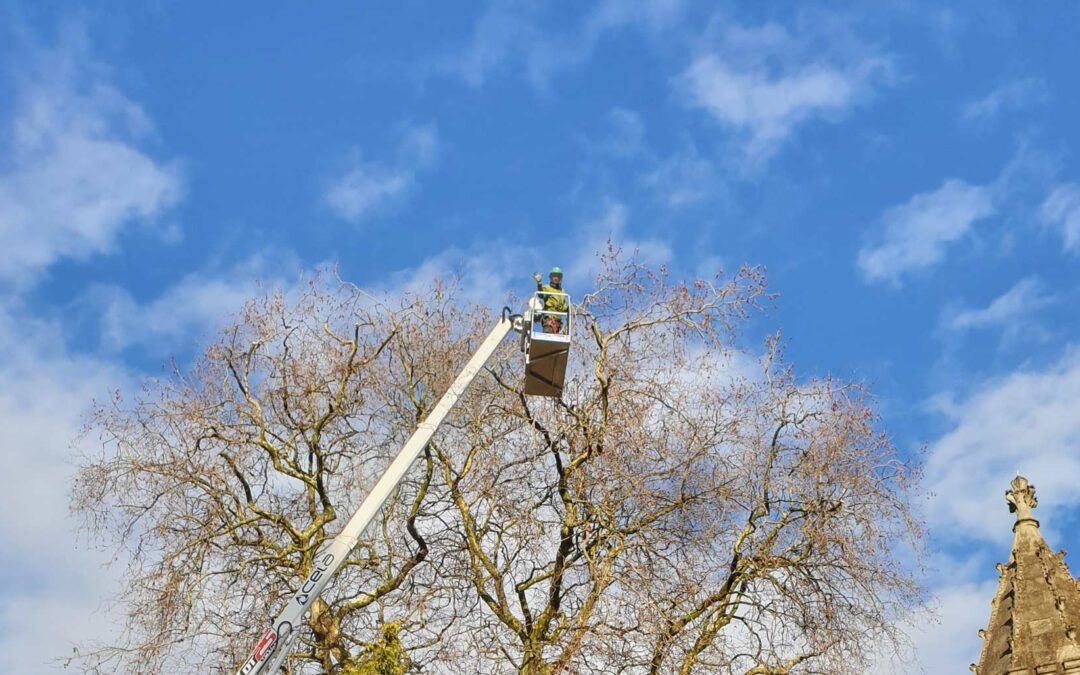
x,y
551,322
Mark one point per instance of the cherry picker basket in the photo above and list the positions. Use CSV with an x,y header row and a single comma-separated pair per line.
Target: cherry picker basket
x,y
546,344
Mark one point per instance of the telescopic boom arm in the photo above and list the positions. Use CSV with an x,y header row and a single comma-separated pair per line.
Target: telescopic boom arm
x,y
273,648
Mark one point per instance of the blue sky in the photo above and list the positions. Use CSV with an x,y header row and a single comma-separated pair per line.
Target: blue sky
x,y
906,171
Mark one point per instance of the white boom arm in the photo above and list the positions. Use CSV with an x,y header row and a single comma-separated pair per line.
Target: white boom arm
x,y
276,642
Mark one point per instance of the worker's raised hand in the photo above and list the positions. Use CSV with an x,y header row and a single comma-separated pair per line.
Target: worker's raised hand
x,y
537,277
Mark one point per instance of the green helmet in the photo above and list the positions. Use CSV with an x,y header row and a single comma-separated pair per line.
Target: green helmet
x,y
555,270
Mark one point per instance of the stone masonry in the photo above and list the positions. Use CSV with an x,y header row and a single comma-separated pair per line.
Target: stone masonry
x,y
1035,614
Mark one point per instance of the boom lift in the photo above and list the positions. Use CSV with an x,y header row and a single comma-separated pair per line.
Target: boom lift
x,y
545,374
546,352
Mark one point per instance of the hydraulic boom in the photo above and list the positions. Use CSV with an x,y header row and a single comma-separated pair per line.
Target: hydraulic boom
x,y
273,648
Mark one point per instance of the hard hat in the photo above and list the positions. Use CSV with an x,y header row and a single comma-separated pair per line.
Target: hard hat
x,y
555,270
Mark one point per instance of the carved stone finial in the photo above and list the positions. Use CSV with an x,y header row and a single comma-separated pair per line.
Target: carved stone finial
x,y
1021,499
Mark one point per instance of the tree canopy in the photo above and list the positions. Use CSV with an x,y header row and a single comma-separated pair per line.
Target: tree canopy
x,y
686,507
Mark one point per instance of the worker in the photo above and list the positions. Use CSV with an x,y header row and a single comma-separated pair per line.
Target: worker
x,y
555,301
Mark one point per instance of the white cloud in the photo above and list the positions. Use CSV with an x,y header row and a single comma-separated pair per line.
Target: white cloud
x,y
684,178
1061,210
646,14
1011,95
763,83
944,631
712,265
505,32
1023,422
370,186
197,305
61,585
509,36
491,269
363,188
75,177
1007,310
627,137
593,238
915,235
486,273
65,585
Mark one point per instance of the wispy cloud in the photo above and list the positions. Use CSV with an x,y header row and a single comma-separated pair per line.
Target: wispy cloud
x,y
75,175
1025,421
507,33
1061,211
490,269
611,225
1012,95
945,628
763,83
1008,310
920,233
914,235
684,177
1021,422
62,582
509,37
370,186
627,137
195,307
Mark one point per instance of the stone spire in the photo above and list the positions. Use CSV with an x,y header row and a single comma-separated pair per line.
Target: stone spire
x,y
1035,616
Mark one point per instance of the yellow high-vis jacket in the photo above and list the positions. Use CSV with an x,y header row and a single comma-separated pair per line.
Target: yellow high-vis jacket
x,y
553,303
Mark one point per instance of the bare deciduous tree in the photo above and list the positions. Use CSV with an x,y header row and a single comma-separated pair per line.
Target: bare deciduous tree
x,y
683,508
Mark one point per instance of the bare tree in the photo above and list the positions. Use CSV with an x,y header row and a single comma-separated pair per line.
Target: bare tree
x,y
223,481
683,507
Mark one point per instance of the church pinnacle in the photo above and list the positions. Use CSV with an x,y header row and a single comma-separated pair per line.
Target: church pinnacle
x,y
1035,614
1022,500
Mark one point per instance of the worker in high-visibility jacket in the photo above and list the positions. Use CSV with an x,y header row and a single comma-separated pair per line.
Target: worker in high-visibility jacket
x,y
554,300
